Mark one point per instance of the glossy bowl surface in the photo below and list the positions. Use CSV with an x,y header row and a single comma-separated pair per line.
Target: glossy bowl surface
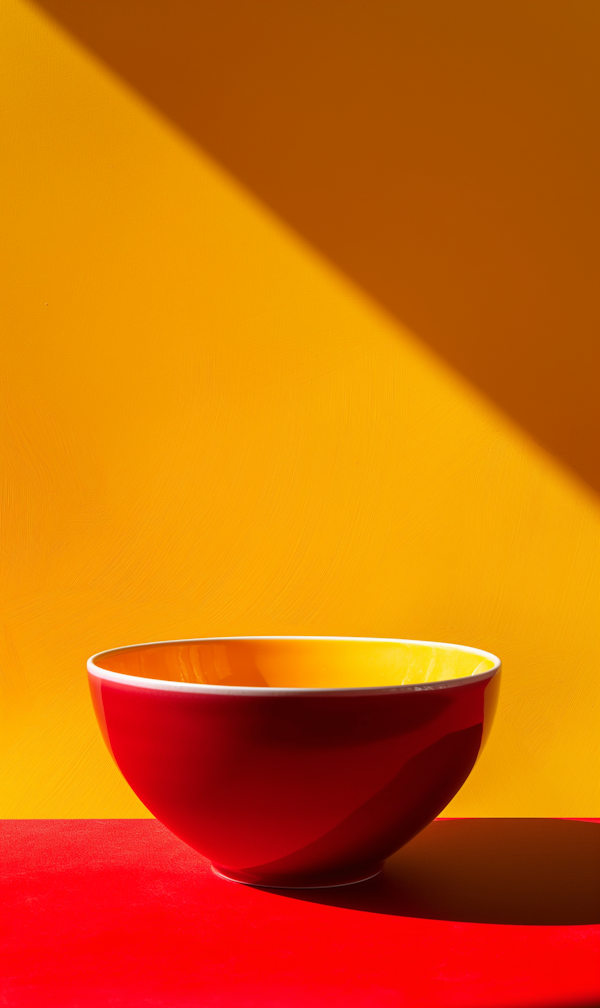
x,y
295,761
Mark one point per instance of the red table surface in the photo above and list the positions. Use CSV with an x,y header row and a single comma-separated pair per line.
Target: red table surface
x,y
473,912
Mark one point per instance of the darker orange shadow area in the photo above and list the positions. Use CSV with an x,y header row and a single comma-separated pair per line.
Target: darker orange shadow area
x,y
490,871
443,154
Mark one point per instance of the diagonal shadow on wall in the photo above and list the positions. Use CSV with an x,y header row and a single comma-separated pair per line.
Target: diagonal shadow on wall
x,y
442,154
492,871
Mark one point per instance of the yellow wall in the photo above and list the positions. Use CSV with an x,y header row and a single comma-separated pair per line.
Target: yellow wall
x,y
210,431
440,153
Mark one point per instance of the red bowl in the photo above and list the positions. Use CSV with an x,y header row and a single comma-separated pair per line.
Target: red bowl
x,y
295,761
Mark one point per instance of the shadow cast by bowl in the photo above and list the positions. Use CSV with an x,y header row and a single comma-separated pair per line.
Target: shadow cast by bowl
x,y
494,871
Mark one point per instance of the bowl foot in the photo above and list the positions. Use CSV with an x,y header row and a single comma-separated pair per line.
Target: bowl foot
x,y
325,880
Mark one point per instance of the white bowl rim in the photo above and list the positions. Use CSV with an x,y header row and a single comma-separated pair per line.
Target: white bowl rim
x,y
165,685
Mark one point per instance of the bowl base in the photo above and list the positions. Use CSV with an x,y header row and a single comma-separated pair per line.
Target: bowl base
x,y
330,880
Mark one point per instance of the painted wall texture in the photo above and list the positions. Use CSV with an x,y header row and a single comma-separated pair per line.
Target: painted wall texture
x,y
278,362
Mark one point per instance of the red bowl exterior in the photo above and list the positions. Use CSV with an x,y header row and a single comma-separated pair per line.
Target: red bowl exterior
x,y
298,790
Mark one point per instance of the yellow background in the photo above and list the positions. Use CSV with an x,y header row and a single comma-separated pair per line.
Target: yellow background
x,y
211,430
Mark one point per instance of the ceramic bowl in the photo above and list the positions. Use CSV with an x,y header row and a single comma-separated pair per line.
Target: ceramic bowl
x,y
295,761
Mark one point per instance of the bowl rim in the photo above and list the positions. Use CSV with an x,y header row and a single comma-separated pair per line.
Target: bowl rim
x,y
169,686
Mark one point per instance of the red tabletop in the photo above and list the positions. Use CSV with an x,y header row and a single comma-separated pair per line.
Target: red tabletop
x,y
473,912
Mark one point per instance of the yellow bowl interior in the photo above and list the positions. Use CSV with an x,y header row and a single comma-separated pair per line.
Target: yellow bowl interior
x,y
314,664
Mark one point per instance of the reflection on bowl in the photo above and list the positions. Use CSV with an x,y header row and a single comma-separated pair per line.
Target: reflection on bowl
x,y
295,761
